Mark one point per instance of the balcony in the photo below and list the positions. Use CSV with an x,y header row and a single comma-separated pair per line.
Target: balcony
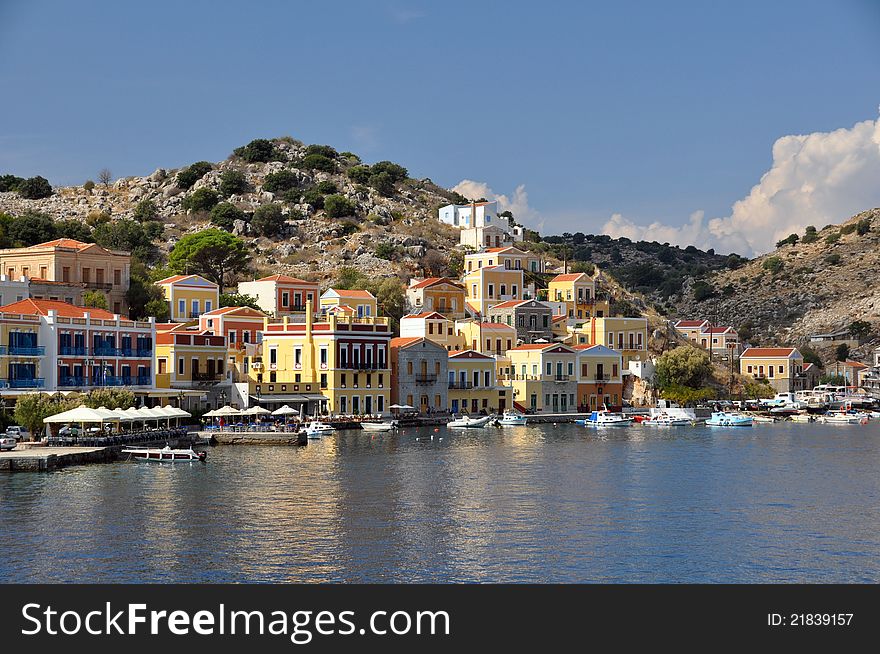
x,y
20,350
143,354
426,379
37,382
106,351
72,381
558,378
103,286
460,385
602,378
378,365
207,376
73,351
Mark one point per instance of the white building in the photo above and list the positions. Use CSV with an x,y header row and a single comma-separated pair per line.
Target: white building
x,y
480,224
13,290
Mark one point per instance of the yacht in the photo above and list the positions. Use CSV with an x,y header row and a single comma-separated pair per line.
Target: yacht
x,y
316,429
512,419
606,418
468,422
727,419
666,420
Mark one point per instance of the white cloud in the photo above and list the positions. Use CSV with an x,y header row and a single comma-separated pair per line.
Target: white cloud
x,y
815,179
518,204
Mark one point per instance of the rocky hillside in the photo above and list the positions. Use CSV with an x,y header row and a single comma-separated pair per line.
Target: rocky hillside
x,y
394,217
820,281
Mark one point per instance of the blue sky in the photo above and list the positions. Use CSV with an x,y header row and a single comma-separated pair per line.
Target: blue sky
x,y
648,110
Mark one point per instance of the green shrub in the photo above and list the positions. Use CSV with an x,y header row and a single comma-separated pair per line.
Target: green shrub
x,y
790,240
398,173
322,150
338,206
191,174
703,291
293,196
145,210
810,235
232,182
386,250
257,151
359,174
9,183
283,180
203,199
34,188
268,220
847,229
773,264
319,162
89,186
30,228
348,227
833,259
383,183
831,239
225,214
314,197
863,226
326,187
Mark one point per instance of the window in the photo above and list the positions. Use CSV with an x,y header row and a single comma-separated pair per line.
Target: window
x,y
285,299
195,309
273,355
117,277
549,368
65,274
491,292
513,291
297,355
208,305
181,307
231,336
323,355
180,366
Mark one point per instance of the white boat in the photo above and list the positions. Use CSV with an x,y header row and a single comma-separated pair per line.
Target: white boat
x,y
512,419
666,420
727,419
765,419
164,454
843,418
316,429
803,417
379,426
466,422
7,444
607,419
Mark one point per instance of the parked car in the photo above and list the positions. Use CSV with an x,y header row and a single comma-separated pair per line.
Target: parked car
x,y
69,430
17,432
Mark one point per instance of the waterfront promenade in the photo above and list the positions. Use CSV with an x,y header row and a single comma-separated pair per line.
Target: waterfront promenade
x,y
45,459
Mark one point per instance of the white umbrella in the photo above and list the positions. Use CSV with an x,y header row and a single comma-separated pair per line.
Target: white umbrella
x,y
80,414
257,411
285,411
227,411
210,414
400,406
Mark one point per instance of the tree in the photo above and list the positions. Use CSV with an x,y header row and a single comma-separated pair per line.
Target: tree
x,y
338,206
319,162
225,214
105,176
347,278
434,263
232,182
383,183
34,188
322,150
31,227
75,229
396,172
810,235
687,396
110,398
860,328
31,409
359,174
239,300
89,186
842,352
145,210
703,291
193,173
268,220
257,151
386,250
773,264
130,236
863,226
95,300
9,183
213,253
204,199
757,390
810,355
791,239
144,298
683,366
283,180
833,380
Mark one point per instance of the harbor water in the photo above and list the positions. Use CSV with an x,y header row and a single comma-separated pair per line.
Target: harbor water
x,y
770,503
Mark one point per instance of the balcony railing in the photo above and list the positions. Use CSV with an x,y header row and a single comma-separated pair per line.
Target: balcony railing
x,y
207,376
559,378
106,351
602,378
20,350
143,354
426,379
72,381
361,365
461,385
37,382
104,286
73,351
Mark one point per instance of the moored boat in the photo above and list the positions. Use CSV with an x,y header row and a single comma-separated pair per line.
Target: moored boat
x,y
379,426
316,429
666,420
466,422
727,419
607,418
512,419
164,454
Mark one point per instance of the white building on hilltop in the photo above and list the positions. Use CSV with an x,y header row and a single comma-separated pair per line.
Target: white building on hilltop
x,y
479,221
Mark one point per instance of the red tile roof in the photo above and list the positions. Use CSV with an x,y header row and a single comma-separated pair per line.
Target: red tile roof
x,y
427,282
287,279
403,341
719,330
570,277
426,314
42,308
509,304
690,323
61,243
768,352
352,293
534,346
468,354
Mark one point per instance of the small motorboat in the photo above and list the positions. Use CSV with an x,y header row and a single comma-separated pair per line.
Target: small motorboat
x,y
764,419
803,417
665,420
843,418
607,419
379,426
512,419
727,419
164,454
7,443
466,422
316,429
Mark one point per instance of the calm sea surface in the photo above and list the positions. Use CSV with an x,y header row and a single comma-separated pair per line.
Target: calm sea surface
x,y
772,503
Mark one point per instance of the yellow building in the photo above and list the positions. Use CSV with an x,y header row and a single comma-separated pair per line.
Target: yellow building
x,y
434,326
579,292
543,377
189,296
510,258
472,384
362,303
21,353
629,336
74,263
691,329
487,286
339,364
193,362
599,377
439,294
782,367
492,338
